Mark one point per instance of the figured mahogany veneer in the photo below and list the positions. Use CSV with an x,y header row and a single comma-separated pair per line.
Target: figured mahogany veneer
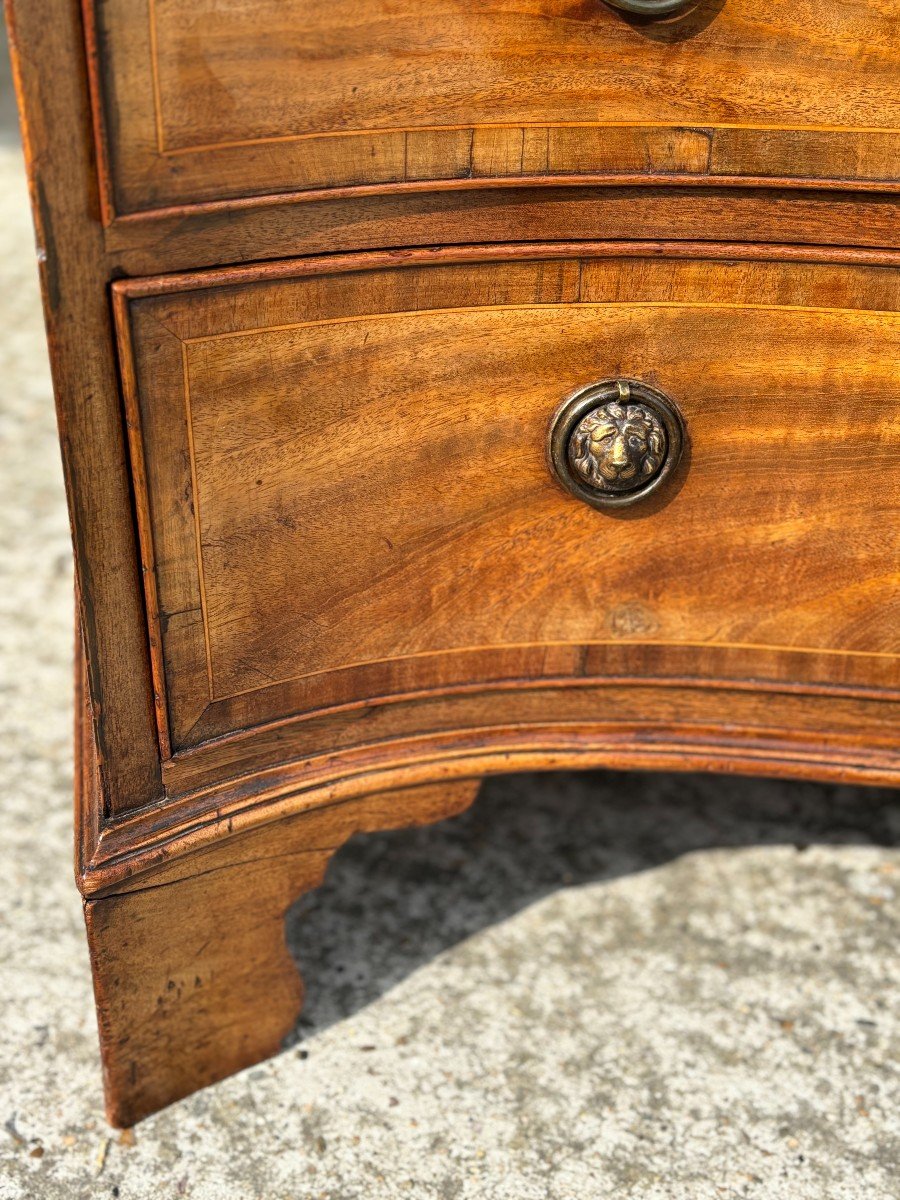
x,y
211,101
331,516
317,278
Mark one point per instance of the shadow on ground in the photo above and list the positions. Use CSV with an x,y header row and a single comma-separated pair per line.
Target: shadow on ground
x,y
393,902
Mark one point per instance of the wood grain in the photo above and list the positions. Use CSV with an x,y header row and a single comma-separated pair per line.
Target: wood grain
x,y
192,975
326,580
299,391
227,100
271,228
294,424
62,182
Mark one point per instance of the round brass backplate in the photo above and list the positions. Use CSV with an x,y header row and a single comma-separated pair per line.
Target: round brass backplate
x,y
613,443
649,8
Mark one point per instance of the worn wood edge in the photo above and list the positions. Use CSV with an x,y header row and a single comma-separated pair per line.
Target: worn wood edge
x,y
551,214
110,872
193,978
87,793
146,840
98,115
649,179
723,682
365,260
446,796
128,380
235,789
112,855
60,170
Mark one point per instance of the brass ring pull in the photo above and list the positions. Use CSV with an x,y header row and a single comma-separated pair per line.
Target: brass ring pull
x,y
649,8
613,443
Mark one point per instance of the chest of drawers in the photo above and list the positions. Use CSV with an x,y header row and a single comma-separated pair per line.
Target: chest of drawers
x,y
448,388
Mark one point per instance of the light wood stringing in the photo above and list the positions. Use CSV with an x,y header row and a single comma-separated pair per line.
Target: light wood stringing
x,y
327,509
218,99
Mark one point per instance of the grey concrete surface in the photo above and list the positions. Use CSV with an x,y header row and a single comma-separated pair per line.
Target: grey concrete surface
x,y
598,986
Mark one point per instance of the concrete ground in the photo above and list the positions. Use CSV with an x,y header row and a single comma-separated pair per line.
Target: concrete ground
x,y
645,987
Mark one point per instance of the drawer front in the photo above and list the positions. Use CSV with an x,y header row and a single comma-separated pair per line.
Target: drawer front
x,y
345,490
222,98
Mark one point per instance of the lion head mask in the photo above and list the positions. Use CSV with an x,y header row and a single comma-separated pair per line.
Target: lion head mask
x,y
617,447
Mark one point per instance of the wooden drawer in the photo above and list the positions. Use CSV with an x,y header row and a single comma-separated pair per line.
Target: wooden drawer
x,y
223,99
328,573
343,478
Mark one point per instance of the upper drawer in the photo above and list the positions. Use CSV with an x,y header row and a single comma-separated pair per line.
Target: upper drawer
x,y
221,99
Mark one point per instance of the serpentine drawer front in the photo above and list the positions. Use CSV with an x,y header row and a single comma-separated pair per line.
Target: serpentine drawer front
x,y
347,493
206,101
448,388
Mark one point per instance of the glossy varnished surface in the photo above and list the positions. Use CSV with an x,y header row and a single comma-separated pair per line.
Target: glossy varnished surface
x,y
274,228
221,99
79,259
362,588
345,491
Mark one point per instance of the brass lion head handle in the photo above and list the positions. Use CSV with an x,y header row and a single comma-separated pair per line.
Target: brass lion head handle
x,y
614,442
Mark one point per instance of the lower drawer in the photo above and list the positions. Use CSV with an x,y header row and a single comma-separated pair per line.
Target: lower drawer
x,y
346,494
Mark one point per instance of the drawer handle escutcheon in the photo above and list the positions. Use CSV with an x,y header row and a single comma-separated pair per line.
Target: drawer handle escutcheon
x,y
613,443
649,8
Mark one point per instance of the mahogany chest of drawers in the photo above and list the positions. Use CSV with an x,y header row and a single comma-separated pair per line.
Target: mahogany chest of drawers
x,y
448,387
